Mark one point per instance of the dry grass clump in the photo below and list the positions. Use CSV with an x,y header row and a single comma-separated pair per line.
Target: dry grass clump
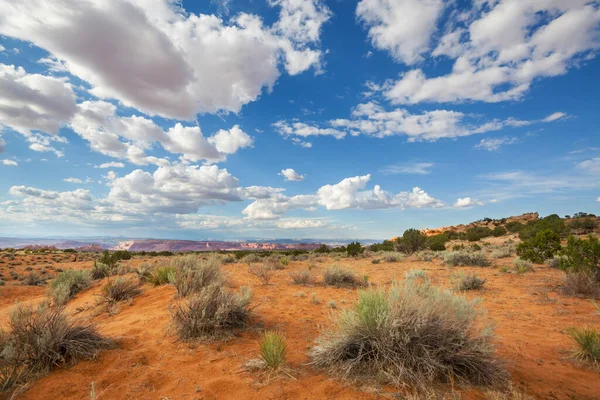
x,y
262,271
193,274
273,350
390,256
120,289
410,335
212,312
100,270
336,276
303,277
251,259
67,284
581,284
155,274
468,282
39,339
522,266
465,258
587,341
274,262
504,251
34,279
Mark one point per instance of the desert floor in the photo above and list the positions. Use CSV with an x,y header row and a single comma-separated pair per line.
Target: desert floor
x,y
530,315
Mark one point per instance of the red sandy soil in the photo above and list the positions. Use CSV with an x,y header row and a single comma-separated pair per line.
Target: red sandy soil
x,y
531,320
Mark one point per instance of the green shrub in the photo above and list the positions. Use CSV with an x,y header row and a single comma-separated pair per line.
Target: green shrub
x,y
411,335
251,258
375,261
285,261
587,341
581,255
464,258
468,282
583,225
212,312
437,242
192,273
336,276
499,231
157,275
111,258
100,270
514,226
354,249
541,247
67,284
38,340
322,249
273,349
412,240
386,245
552,222
477,233
458,247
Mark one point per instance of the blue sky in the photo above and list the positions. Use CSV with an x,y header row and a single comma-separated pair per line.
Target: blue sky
x,y
294,118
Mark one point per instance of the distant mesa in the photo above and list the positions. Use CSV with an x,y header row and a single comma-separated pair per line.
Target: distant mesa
x,y
191,245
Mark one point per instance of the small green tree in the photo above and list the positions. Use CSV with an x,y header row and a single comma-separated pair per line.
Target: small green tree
x,y
499,231
580,255
412,240
322,249
354,249
544,245
438,242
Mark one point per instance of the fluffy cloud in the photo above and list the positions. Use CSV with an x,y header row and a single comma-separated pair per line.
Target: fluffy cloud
x,y
403,28
10,163
304,130
348,193
73,180
499,48
154,56
494,144
290,175
33,102
598,199
422,168
229,142
467,202
130,137
301,224
172,189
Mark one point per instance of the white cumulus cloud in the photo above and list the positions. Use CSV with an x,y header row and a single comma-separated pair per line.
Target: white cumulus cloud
x,y
290,175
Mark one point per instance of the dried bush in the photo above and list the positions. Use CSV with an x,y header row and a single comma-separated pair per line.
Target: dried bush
x,y
212,312
465,258
504,251
375,261
67,284
391,256
581,284
262,271
39,339
522,266
193,274
409,335
273,262
468,282
303,277
34,279
336,276
120,289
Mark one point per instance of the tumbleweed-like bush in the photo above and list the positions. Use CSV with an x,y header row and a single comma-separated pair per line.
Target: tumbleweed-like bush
x,y
413,334
214,311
